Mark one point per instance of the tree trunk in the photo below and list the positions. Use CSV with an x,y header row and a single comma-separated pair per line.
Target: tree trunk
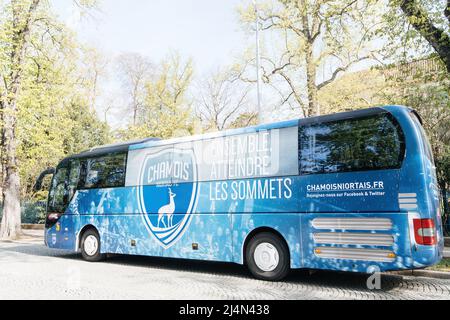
x,y
11,220
134,110
446,214
436,37
311,82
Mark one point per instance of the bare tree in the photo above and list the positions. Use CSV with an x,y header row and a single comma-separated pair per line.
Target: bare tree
x,y
314,33
245,119
222,99
96,66
134,71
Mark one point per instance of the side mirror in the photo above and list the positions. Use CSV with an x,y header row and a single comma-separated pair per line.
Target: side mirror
x,y
38,185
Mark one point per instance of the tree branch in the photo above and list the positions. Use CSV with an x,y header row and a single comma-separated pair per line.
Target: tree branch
x,y
436,37
339,70
447,11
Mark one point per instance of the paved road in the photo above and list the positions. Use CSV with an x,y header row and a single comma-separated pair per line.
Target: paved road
x,y
28,270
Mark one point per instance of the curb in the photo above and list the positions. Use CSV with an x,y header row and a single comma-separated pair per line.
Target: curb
x,y
30,226
423,273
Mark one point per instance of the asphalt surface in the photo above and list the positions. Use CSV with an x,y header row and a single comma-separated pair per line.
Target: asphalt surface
x,y
29,270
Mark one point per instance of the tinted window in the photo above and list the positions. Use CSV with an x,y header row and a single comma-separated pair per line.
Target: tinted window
x,y
370,143
58,195
74,176
423,135
104,172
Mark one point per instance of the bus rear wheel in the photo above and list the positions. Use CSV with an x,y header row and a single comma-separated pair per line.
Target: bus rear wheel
x,y
267,257
90,246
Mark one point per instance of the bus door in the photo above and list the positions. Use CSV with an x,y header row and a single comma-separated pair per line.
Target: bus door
x,y
59,222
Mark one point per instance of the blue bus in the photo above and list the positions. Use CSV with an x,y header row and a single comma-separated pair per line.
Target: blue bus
x,y
353,191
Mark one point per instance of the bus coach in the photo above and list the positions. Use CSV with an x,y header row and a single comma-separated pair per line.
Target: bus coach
x,y
353,191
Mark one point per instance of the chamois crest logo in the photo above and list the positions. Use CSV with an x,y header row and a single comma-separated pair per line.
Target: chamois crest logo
x,y
167,211
167,193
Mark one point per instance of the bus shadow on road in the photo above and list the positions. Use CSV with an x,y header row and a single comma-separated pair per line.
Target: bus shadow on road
x,y
310,278
331,279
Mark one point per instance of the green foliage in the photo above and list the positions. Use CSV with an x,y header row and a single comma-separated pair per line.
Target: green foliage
x,y
443,265
54,117
86,131
354,90
33,212
49,131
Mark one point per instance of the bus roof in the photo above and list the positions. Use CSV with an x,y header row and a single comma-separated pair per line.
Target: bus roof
x,y
113,147
266,126
154,142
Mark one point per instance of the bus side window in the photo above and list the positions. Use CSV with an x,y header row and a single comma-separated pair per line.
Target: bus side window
x,y
103,172
74,176
359,144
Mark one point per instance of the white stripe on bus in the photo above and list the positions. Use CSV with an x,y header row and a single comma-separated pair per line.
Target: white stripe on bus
x,y
407,200
408,206
407,195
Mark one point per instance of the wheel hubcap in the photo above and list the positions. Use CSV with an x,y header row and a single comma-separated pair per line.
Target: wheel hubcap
x,y
90,245
266,256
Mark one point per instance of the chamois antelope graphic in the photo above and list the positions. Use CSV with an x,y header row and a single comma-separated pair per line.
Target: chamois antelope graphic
x,y
167,210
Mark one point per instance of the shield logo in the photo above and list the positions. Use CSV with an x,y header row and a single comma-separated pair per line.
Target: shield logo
x,y
167,193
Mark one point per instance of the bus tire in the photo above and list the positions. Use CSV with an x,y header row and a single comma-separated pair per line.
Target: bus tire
x,y
267,257
90,246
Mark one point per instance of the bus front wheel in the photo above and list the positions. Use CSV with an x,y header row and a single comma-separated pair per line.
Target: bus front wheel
x,y
90,246
267,257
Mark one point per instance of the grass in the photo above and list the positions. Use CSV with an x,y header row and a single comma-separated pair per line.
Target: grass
x,y
444,265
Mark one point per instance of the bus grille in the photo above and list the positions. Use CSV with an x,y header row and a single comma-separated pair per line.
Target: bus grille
x,y
352,223
355,254
370,239
330,245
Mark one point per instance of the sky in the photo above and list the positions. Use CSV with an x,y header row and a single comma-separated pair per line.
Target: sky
x,y
208,31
